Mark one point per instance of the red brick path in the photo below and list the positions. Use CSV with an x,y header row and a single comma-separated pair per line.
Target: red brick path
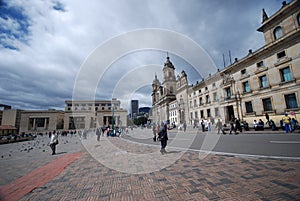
x,y
37,178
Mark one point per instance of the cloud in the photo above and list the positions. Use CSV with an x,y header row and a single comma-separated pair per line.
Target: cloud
x,y
44,43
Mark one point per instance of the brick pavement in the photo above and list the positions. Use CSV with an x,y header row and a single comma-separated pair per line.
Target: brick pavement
x,y
215,177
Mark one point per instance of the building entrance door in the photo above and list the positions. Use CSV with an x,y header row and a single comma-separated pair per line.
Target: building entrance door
x,y
230,113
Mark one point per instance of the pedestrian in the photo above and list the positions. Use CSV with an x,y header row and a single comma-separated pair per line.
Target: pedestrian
x,y
238,126
232,126
255,124
267,117
287,121
272,125
154,132
203,125
184,126
98,133
163,137
294,123
208,126
53,142
220,127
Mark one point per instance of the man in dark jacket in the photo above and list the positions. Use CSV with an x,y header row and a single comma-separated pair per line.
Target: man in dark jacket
x,y
163,136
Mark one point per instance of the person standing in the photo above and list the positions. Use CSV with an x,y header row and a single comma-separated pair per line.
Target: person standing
x,y
232,126
268,118
154,132
238,126
203,125
98,133
208,126
163,136
53,142
287,121
220,127
184,126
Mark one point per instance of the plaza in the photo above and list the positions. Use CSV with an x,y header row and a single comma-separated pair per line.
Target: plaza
x,y
30,172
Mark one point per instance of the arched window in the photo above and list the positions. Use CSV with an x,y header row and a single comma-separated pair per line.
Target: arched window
x,y
298,19
278,32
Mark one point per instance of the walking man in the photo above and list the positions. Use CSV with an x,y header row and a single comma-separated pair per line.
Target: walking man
x,y
163,136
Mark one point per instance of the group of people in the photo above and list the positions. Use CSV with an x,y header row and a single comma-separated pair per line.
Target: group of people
x,y
286,123
289,124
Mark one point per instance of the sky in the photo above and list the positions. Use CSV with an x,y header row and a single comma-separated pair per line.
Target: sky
x,y
47,47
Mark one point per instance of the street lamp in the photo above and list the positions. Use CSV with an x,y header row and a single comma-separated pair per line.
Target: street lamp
x,y
112,123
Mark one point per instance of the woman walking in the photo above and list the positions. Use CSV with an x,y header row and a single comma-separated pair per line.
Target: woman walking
x,y
53,142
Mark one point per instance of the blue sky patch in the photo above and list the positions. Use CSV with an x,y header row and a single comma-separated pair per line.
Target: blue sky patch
x,y
14,25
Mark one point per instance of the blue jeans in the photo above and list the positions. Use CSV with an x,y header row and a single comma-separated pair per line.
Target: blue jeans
x,y
287,127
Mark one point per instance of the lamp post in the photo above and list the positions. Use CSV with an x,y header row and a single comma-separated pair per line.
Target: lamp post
x,y
112,123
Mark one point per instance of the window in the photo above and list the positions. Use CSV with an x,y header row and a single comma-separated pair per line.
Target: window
x,y
199,91
267,104
191,115
215,95
202,114
249,108
278,32
214,84
243,72
291,101
195,103
298,19
228,92
263,81
286,74
206,88
216,112
208,112
281,54
200,101
260,64
207,99
246,86
196,115
191,104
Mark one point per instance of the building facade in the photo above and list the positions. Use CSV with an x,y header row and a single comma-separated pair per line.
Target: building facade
x,y
92,114
41,120
264,81
11,117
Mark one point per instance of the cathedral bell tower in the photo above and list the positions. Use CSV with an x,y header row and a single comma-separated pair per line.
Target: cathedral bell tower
x,y
169,83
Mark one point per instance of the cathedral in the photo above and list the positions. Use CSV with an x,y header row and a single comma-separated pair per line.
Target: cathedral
x,y
169,98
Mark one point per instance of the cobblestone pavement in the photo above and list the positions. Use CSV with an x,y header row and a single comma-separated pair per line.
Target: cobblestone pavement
x,y
215,177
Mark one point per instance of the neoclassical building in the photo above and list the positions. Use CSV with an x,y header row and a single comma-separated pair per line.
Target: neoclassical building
x,y
264,81
92,114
